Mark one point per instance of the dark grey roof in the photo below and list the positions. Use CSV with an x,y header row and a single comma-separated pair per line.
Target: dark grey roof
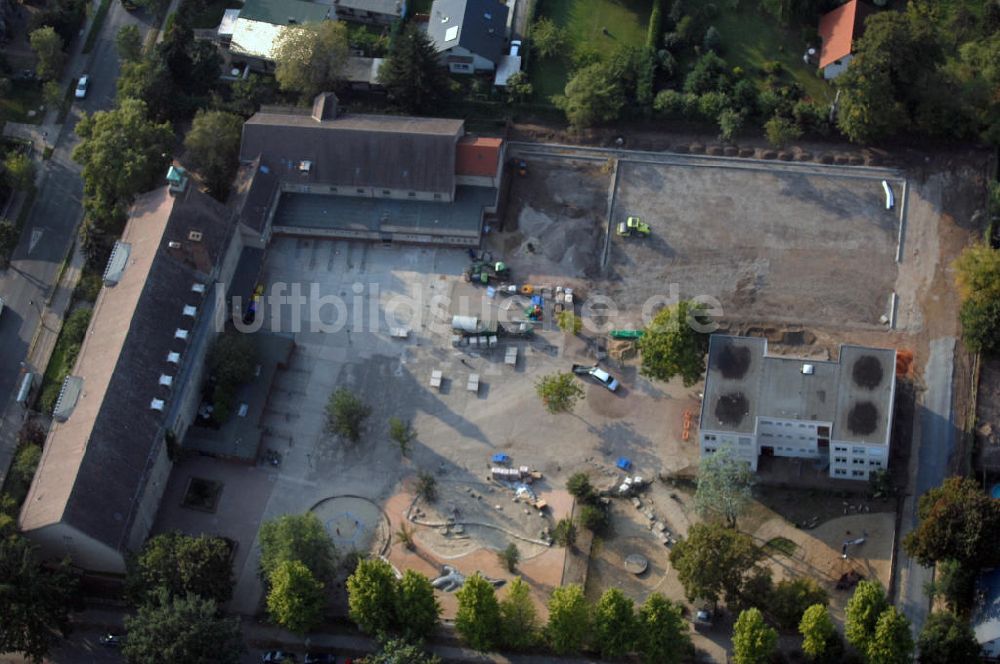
x,y
112,473
482,26
391,7
854,393
406,153
254,194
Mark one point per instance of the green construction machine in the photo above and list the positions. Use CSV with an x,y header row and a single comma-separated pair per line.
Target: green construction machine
x,y
634,226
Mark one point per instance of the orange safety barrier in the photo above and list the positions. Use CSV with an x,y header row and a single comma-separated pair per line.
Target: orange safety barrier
x,y
687,424
685,435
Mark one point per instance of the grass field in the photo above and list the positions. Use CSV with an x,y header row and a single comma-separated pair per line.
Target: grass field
x,y
750,39
23,96
585,22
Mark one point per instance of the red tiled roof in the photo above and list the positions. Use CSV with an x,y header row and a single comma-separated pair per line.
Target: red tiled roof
x,y
478,156
839,30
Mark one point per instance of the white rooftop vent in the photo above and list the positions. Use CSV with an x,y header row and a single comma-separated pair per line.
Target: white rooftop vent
x,y
117,262
166,381
157,404
174,245
189,310
305,166
451,34
444,19
197,288
173,358
195,236
808,369
181,334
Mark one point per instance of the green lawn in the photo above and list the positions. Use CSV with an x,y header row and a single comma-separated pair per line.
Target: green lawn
x,y
23,96
584,22
750,38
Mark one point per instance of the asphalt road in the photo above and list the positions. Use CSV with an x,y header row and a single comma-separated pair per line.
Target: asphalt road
x,y
51,226
937,437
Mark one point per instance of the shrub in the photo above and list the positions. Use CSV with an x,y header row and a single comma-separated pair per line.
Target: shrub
x,y
594,519
713,40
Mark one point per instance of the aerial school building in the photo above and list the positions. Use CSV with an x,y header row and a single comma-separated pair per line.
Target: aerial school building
x,y
838,413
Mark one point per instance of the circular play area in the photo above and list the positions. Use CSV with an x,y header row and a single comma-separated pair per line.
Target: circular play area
x,y
354,524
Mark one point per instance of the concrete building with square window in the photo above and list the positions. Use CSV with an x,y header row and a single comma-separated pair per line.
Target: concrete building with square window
x,y
838,413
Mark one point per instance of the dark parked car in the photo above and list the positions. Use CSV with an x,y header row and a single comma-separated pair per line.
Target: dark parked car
x,y
111,640
320,658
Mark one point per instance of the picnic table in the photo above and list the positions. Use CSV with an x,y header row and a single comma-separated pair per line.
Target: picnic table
x,y
473,384
436,376
511,356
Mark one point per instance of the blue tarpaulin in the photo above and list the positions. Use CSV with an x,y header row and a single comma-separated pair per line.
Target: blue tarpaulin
x,y
500,458
624,463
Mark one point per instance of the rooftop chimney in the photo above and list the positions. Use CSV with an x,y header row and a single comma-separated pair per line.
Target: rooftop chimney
x,y
324,107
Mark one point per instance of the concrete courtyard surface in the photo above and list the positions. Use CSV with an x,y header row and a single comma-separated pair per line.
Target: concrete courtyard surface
x,y
381,287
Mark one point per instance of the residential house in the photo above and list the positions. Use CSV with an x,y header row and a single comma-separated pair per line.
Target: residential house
x,y
136,381
262,23
470,35
375,177
376,12
836,413
839,31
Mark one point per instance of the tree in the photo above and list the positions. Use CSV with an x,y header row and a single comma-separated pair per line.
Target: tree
x,y
781,131
893,68
19,171
296,537
594,519
296,600
371,596
52,94
547,38
892,642
35,602
724,486
518,617
123,154
792,597
955,583
559,392
402,433
713,561
709,74
9,236
310,58
478,617
149,80
614,624
977,275
663,636
579,487
862,614
947,639
398,651
128,41
427,487
416,608
593,95
181,565
753,641
672,346
569,620
957,521
182,629
730,123
519,87
509,557
565,532
817,629
713,40
411,73
346,414
48,46
213,148
569,322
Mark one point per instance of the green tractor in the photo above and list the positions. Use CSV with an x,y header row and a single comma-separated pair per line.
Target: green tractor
x,y
634,226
